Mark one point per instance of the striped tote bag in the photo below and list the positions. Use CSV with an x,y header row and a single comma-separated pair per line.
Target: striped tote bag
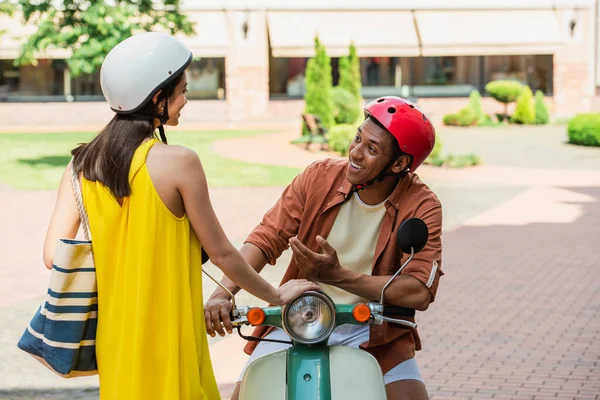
x,y
62,333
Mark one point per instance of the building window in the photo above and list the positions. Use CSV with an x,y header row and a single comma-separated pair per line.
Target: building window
x,y
87,86
443,76
10,78
206,79
43,81
452,76
286,77
536,71
379,71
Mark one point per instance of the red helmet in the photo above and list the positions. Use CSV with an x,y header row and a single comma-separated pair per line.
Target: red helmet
x,y
408,125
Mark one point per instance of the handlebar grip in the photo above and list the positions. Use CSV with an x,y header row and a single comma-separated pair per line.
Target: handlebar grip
x,y
393,311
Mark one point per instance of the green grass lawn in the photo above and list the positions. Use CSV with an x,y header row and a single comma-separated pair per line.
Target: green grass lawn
x,y
36,161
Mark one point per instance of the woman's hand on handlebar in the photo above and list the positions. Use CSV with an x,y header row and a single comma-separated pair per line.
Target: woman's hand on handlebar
x,y
216,315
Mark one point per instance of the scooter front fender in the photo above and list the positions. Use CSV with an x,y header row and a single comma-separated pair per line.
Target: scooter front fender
x,y
265,378
336,373
355,374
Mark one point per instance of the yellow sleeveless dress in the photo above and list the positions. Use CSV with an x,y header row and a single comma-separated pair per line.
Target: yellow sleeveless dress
x,y
151,340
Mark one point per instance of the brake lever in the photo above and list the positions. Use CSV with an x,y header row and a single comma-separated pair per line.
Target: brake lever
x,y
379,319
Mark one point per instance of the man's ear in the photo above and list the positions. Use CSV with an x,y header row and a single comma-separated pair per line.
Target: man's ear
x,y
401,163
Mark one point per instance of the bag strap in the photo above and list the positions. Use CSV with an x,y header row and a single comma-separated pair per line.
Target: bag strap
x,y
79,198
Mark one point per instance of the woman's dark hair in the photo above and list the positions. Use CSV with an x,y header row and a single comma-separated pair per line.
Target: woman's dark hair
x,y
107,158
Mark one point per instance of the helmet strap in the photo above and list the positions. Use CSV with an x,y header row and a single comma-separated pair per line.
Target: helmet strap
x,y
163,117
380,177
161,131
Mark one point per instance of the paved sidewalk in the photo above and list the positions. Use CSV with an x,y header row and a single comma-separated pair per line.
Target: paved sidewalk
x,y
518,313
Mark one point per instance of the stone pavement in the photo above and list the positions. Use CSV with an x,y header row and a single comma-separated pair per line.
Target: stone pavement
x,y
517,313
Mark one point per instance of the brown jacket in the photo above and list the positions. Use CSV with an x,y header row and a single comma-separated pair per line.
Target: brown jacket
x,y
309,206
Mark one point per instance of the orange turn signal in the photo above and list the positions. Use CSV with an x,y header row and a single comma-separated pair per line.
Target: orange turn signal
x,y
361,312
256,316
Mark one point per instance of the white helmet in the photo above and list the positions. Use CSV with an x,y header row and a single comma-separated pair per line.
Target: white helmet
x,y
138,67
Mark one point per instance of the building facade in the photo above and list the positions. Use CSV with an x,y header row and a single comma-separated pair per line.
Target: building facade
x,y
251,55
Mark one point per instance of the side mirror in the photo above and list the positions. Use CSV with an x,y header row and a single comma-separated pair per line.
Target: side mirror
x,y
413,233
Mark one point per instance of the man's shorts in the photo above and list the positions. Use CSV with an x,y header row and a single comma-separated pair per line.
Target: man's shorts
x,y
344,335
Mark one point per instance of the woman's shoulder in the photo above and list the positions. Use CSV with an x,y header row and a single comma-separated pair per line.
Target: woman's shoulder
x,y
171,154
171,159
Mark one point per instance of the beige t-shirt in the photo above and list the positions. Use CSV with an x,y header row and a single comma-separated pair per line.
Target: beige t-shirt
x,y
354,236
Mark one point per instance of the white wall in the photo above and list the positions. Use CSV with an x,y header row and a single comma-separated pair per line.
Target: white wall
x,y
597,43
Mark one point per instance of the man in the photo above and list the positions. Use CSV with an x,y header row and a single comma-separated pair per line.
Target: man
x,y
341,219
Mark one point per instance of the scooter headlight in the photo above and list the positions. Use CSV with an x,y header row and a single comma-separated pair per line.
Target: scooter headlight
x,y
310,318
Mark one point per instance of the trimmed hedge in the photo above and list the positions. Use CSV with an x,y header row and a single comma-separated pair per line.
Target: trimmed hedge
x,y
505,92
584,129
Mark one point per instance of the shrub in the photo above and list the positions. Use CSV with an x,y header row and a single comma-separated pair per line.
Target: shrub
x,y
584,129
542,116
465,117
435,157
304,139
451,161
461,160
340,137
317,99
525,111
504,91
475,105
488,121
450,119
346,107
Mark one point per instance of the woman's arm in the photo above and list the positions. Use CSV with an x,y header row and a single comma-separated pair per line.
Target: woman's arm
x,y
64,222
191,184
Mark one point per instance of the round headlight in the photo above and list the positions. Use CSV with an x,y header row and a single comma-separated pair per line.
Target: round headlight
x,y
310,318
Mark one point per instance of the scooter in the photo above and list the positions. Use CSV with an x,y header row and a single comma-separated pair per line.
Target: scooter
x,y
310,369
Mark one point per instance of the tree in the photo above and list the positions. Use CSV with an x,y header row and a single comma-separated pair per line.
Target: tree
x,y
317,99
349,69
475,105
542,116
505,92
90,29
6,7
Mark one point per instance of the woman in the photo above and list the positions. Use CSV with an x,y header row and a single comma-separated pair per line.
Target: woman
x,y
149,211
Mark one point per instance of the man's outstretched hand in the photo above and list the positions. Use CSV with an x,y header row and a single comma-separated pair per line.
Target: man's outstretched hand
x,y
323,267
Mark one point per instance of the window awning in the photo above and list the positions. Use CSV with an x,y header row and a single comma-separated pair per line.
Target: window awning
x,y
374,33
211,38
494,32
